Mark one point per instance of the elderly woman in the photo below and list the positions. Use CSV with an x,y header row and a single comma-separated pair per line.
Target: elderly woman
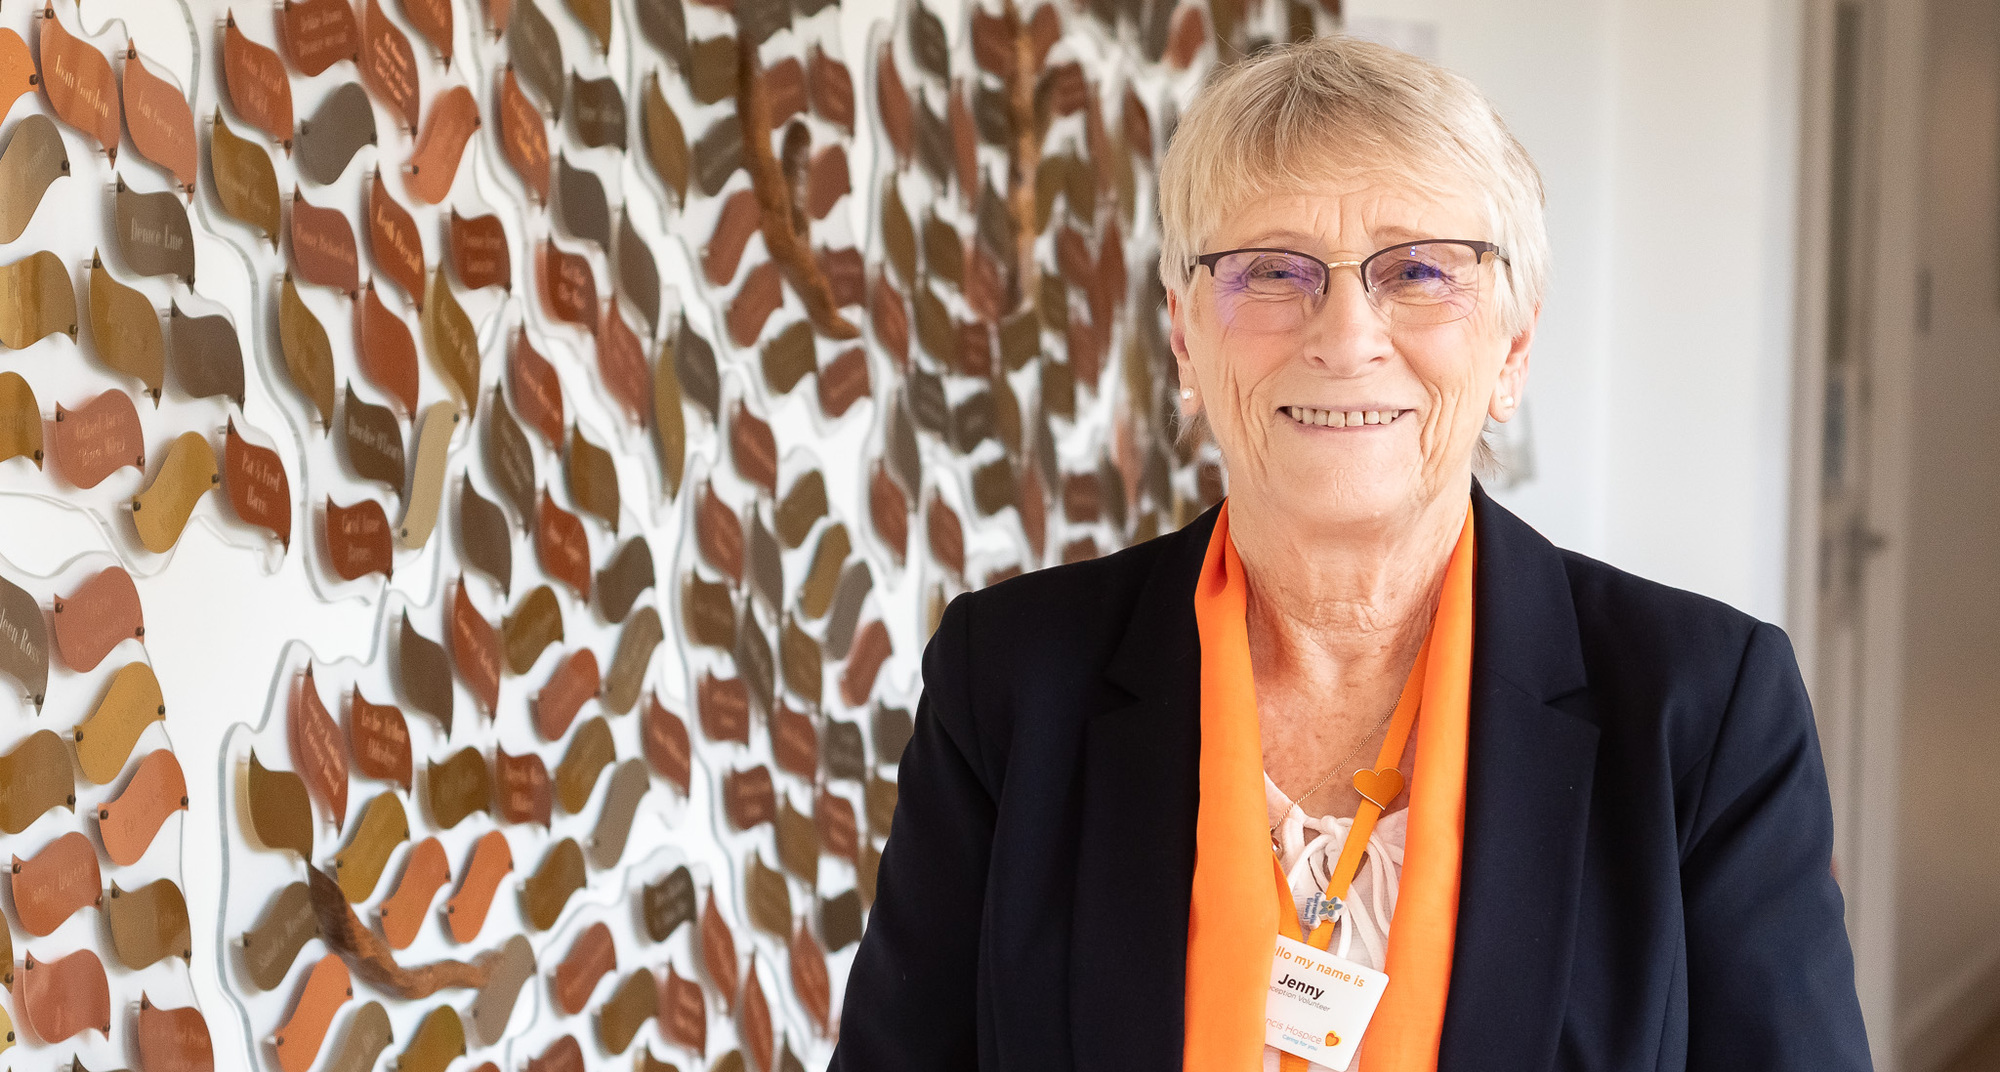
x,y
1356,764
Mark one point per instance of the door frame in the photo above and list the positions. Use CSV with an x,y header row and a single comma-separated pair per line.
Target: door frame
x,y
1889,162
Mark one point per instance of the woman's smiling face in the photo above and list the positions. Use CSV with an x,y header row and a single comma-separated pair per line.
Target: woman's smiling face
x,y
1347,418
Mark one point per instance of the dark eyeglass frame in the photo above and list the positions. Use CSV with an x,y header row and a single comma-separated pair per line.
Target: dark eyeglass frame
x,y
1479,250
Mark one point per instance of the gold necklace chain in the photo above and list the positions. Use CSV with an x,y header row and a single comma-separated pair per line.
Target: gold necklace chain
x,y
1292,802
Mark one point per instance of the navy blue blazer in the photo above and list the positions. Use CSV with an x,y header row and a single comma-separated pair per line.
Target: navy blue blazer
x,y
1646,882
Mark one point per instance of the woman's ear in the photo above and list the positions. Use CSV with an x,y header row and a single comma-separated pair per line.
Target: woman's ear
x,y
1190,392
1513,378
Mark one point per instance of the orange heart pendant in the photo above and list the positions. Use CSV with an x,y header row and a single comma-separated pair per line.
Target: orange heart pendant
x,y
1379,787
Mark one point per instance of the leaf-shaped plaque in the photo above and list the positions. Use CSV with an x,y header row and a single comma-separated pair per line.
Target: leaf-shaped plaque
x,y
521,788
161,511
433,19
207,357
388,66
148,924
684,1012
380,739
383,826
536,388
343,123
569,289
372,439
795,742
424,673
614,819
593,478
756,1019
451,340
17,76
475,647
286,926
669,424
491,860
534,49
308,351
62,998
562,546
666,140
484,537
664,23
318,753
36,300
597,111
753,448
665,738
258,488
638,273
524,137
162,124
718,950
439,1040
327,987
507,972
317,34
97,438
367,1035
479,251
128,824
357,539
20,420
255,79
153,233
387,351
596,17
245,182
458,787
33,159
79,82
535,624
581,206
403,911
573,683
748,797
280,811
126,329
621,364
394,242
420,506
629,573
627,1009
453,117
323,249
590,958
103,611
558,878
55,883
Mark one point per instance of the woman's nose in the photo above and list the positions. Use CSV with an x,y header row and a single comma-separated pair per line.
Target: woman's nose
x,y
1345,331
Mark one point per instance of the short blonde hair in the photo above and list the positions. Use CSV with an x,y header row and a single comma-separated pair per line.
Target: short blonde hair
x,y
1286,118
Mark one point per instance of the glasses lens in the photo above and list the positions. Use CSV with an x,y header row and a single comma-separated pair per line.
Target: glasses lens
x,y
1425,282
1261,290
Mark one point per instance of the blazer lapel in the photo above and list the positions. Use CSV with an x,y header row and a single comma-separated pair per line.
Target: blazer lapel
x,y
1135,860
1531,756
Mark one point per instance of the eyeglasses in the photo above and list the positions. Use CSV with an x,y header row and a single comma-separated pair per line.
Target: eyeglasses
x,y
1433,281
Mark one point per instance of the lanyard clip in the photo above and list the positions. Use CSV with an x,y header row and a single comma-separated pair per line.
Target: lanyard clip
x,y
1318,909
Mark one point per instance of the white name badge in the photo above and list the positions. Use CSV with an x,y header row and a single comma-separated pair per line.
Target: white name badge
x,y
1320,1004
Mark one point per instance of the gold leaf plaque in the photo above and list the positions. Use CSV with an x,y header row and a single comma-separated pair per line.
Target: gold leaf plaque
x,y
33,159
245,182
420,507
20,420
161,511
153,233
280,811
36,300
383,826
126,329
452,341
308,351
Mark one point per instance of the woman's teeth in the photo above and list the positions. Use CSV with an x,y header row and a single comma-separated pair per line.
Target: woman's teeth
x,y
1333,418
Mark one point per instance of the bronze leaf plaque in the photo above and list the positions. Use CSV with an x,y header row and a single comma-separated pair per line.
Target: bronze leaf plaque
x,y
458,787
36,300
39,779
388,66
558,878
255,79
769,898
723,705
718,950
327,987
484,538
173,1040
754,1026
798,843
627,1009
451,340
753,449
420,506
596,17
33,159
17,76
684,1011
308,351
386,349
581,205
246,184
593,478
636,643
207,358
317,34
535,624
597,111
534,49
638,273
620,582
562,1055
569,289
668,903
433,19
318,752
323,249
491,860
160,512
479,251
475,647
536,389
425,872
126,330
589,752
393,240
62,998
148,924
840,920
80,85
629,783
666,140
454,116
380,739
665,738
748,797
524,137
343,123
127,825
161,122
55,883
24,641
367,1035
286,926
507,972
801,507
439,1040
383,826
794,742
357,539
280,811
561,545
669,423
20,420
521,788
372,439
573,683
590,958
424,673
97,439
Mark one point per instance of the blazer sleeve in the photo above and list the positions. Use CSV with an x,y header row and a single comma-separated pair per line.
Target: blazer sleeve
x,y
911,991
1770,974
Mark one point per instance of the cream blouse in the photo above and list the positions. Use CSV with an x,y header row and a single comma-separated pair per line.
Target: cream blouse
x,y
1309,847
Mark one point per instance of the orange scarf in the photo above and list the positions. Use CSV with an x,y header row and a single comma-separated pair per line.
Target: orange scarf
x,y
1233,919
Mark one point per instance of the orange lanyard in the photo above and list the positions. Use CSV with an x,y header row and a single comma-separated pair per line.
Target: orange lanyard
x,y
1378,788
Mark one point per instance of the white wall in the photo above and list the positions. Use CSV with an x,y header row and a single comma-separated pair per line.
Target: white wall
x,y
1660,390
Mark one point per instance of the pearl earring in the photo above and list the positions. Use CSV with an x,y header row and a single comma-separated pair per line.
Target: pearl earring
x,y
1187,394
1506,400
